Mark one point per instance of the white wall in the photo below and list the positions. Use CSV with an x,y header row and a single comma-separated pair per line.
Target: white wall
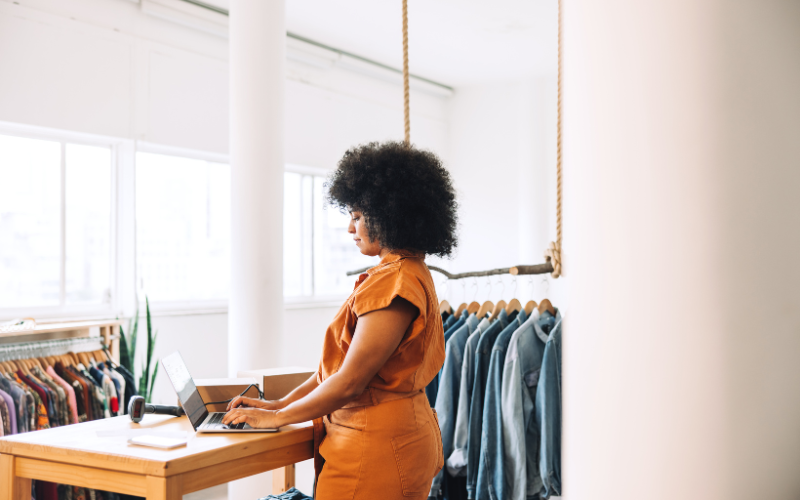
x,y
105,67
681,239
502,142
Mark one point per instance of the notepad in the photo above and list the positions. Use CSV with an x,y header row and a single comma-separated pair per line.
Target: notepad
x,y
157,441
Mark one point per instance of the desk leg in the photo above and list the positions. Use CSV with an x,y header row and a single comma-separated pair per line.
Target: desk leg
x,y
282,479
164,488
12,487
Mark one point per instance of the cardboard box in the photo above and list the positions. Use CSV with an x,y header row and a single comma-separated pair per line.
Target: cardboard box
x,y
278,382
220,389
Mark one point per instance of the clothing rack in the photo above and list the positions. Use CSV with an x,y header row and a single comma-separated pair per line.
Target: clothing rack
x,y
25,350
514,271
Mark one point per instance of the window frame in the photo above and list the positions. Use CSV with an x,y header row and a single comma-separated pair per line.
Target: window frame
x,y
175,307
123,261
118,148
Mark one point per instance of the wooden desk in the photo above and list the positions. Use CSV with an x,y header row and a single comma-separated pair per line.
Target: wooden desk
x,y
78,455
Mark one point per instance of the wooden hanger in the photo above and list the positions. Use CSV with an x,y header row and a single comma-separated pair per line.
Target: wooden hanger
x,y
444,307
485,309
473,307
530,306
22,364
513,305
545,305
501,304
461,309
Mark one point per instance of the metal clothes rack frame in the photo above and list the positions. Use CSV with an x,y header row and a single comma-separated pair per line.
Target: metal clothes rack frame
x,y
53,347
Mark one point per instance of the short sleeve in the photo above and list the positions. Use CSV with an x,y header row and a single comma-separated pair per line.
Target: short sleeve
x,y
378,291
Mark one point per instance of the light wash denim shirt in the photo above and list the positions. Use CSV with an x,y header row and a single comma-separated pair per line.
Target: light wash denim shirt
x,y
520,379
491,483
547,408
449,385
482,358
432,389
457,461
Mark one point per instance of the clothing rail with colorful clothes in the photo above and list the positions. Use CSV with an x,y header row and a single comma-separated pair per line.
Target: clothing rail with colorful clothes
x,y
40,389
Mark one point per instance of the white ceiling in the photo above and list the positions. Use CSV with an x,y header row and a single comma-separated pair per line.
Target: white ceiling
x,y
455,42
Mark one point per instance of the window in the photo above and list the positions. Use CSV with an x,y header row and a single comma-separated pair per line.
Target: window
x,y
317,249
61,252
55,224
335,252
183,233
182,228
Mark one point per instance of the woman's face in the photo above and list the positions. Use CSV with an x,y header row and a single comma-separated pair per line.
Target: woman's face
x,y
358,229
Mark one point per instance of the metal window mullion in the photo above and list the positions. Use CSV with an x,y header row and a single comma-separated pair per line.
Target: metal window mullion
x,y
313,238
62,294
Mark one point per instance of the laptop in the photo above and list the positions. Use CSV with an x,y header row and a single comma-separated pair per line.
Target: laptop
x,y
193,403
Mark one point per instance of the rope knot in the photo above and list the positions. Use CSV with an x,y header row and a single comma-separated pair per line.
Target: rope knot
x,y
553,256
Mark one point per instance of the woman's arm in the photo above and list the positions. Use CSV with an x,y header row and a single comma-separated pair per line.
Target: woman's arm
x,y
377,335
302,390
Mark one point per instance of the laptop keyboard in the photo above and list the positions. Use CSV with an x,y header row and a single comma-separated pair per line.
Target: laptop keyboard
x,y
216,421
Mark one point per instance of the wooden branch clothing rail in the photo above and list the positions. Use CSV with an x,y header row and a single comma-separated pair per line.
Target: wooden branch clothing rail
x,y
40,390
514,271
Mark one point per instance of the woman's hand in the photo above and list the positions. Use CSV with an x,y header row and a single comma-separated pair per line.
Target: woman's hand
x,y
254,417
243,402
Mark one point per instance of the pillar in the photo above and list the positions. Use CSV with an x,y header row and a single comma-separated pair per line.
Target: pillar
x,y
255,311
257,73
681,345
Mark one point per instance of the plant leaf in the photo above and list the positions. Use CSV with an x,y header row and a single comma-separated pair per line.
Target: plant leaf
x,y
133,338
152,383
124,354
148,361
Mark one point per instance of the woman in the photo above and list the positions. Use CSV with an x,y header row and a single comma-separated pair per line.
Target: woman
x,y
386,342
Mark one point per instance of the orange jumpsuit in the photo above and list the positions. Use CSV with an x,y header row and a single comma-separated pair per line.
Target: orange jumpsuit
x,y
386,443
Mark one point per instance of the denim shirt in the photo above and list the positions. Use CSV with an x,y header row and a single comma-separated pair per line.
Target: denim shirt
x,y
457,461
548,414
449,384
491,479
449,321
483,355
432,389
521,372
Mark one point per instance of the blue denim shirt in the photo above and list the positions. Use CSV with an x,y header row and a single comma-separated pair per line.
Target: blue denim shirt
x,y
521,372
449,321
432,389
457,461
483,355
548,414
491,481
449,385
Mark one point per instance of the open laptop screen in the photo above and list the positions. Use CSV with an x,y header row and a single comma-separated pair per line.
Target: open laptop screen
x,y
184,386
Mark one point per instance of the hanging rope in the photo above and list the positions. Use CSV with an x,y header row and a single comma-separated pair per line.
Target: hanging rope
x,y
553,252
405,75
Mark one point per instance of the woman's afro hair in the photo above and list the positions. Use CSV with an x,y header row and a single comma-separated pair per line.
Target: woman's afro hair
x,y
405,195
